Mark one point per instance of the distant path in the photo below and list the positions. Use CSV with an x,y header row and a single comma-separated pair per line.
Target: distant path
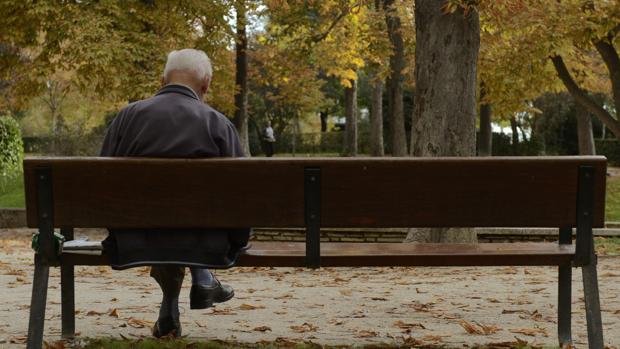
x,y
330,306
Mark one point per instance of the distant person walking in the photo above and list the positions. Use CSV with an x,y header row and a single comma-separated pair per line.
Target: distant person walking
x,y
270,139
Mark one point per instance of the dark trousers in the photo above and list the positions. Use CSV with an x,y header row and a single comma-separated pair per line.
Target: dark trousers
x,y
269,149
169,278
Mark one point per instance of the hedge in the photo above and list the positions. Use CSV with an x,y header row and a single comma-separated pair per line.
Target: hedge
x,y
11,149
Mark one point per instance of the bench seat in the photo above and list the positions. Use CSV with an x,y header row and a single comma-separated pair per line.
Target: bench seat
x,y
340,254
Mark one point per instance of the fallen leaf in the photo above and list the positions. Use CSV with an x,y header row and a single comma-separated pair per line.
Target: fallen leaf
x,y
305,327
262,328
478,328
18,339
285,296
366,334
487,329
422,307
470,328
531,331
515,311
136,323
404,325
250,307
94,313
431,338
346,292
408,340
520,342
114,312
225,311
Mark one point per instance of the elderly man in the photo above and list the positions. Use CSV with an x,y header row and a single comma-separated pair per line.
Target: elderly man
x,y
176,123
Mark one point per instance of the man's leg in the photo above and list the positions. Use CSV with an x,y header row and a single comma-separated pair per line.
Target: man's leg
x,y
170,280
201,276
206,290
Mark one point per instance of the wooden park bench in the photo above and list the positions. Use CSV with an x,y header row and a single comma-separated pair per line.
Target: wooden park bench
x,y
560,192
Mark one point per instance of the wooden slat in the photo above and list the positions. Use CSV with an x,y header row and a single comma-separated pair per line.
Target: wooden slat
x,y
359,192
282,254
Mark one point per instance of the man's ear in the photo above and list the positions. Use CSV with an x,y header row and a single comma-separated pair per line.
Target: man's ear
x,y
163,81
205,85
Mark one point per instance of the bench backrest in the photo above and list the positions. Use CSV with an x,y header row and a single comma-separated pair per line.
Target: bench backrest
x,y
354,192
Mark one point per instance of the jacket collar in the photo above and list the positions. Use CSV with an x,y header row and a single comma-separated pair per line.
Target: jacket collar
x,y
177,88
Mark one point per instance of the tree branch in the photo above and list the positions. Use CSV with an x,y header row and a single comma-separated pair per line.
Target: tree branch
x,y
322,36
582,97
612,61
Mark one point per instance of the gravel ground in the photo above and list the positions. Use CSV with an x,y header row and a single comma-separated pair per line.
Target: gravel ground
x,y
457,307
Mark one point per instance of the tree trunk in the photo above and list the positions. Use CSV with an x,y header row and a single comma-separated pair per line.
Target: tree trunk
x,y
241,78
376,119
350,129
515,135
445,100
323,115
485,145
295,134
396,116
584,131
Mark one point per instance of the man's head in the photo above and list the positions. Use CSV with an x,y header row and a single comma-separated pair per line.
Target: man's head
x,y
189,67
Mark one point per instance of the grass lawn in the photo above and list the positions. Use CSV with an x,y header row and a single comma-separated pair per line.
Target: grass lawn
x,y
612,204
12,193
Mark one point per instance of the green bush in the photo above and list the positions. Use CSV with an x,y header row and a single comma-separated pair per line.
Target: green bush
x,y
11,150
609,148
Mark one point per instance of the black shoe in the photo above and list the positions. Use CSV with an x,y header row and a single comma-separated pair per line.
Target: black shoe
x,y
167,327
202,297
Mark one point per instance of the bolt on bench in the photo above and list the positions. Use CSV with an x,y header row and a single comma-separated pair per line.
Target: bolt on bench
x,y
561,192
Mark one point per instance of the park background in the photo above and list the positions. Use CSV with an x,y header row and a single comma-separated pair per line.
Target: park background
x,y
334,78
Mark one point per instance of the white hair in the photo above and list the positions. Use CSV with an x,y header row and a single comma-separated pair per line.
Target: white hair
x,y
188,59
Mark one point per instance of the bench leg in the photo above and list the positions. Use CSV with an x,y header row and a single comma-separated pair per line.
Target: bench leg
x,y
67,296
37,304
564,306
593,307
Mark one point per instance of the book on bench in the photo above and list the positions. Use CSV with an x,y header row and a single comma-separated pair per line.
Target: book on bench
x,y
82,246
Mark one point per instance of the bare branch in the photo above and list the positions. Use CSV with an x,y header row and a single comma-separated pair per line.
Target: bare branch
x,y
582,97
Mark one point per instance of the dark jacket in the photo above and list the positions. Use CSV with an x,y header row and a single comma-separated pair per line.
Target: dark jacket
x,y
173,124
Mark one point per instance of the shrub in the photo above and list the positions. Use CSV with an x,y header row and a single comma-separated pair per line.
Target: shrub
x,y
11,149
609,148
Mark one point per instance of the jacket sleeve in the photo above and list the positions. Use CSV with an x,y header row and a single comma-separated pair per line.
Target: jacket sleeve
x,y
229,144
112,137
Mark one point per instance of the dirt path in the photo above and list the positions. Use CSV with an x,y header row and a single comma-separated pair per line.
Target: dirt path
x,y
330,306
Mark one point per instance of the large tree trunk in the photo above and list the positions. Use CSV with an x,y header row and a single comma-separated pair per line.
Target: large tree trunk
x,y
376,119
396,115
445,101
485,145
350,139
241,77
585,135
